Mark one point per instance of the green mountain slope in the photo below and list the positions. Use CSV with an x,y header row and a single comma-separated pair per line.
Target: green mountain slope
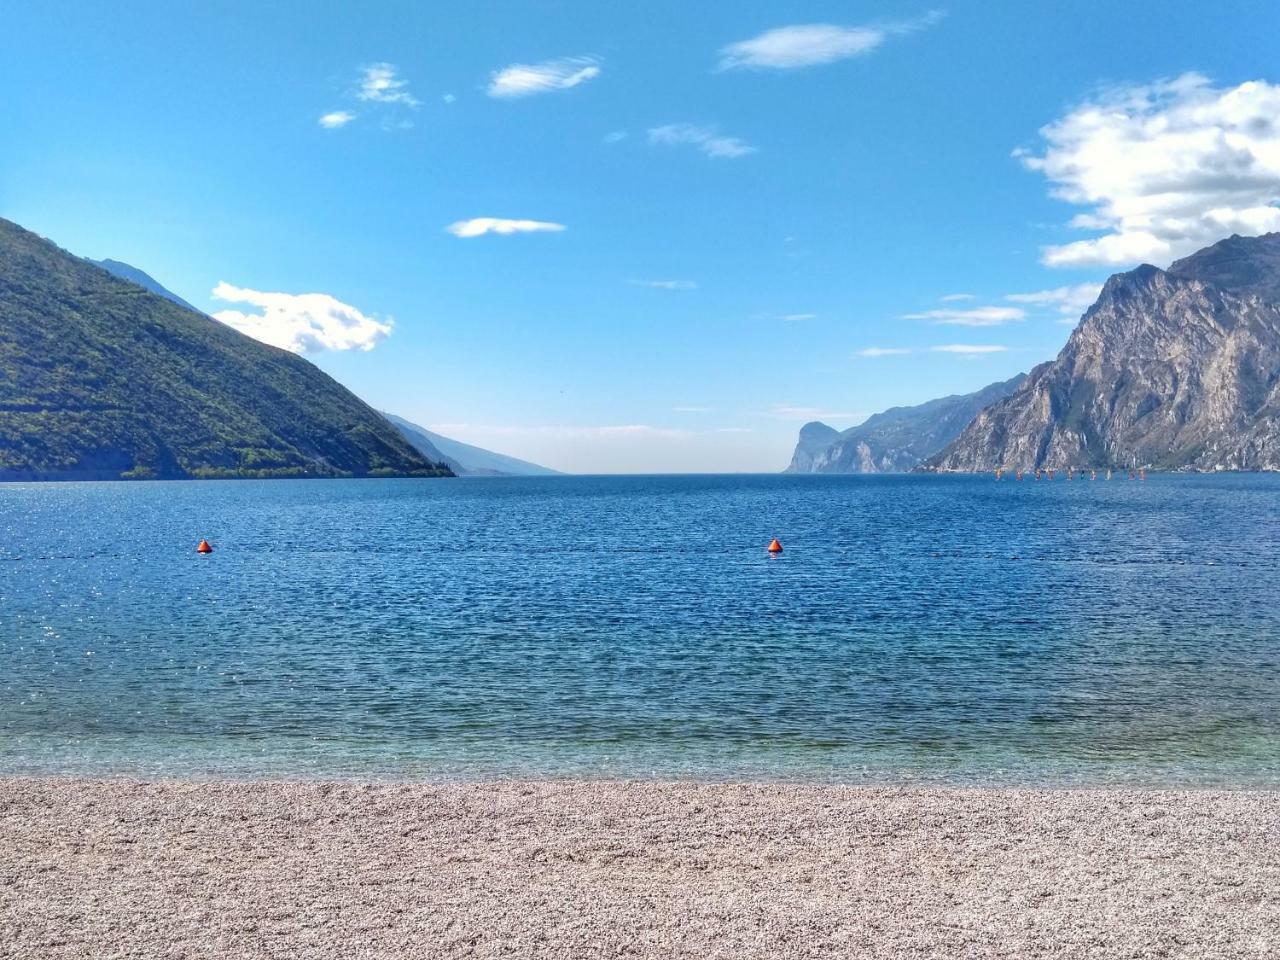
x,y
101,379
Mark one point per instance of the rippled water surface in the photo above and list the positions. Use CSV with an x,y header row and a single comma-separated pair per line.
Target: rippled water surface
x,y
915,628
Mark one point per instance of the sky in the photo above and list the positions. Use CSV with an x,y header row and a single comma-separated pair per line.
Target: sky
x,y
645,237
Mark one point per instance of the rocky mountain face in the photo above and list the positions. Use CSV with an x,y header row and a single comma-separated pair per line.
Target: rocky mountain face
x,y
102,379
1175,369
896,440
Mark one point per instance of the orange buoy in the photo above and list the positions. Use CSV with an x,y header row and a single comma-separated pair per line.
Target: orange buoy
x,y
775,546
204,547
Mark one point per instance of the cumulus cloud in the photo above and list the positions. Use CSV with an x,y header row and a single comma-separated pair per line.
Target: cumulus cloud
x,y
975,317
336,119
381,83
883,352
1163,169
664,284
968,349
705,139
479,226
302,323
526,79
1069,301
810,44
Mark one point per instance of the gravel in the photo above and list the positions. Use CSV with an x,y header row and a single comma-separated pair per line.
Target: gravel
x,y
121,868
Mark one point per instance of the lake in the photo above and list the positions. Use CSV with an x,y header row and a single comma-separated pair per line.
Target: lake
x,y
915,629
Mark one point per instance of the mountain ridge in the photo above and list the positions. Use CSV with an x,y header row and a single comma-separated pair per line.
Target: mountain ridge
x,y
464,458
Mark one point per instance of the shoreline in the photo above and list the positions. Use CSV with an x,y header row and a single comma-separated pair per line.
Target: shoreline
x,y
126,867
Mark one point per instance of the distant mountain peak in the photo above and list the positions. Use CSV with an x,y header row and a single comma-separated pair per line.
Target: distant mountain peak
x,y
895,440
125,271
464,459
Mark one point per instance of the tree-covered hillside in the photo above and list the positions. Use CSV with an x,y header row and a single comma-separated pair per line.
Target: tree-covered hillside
x,y
101,379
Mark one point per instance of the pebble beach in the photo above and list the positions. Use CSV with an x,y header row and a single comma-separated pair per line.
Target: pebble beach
x,y
123,868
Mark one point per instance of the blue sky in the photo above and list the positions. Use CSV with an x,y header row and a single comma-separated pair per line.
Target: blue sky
x,y
718,220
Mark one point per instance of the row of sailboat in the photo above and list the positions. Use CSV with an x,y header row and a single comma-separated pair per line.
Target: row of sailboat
x,y
1050,474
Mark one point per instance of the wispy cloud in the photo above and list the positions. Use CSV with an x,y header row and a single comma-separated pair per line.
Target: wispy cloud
x,y
705,139
381,83
526,79
1069,302
976,317
792,317
883,352
336,119
557,431
968,349
957,297
788,412
1163,169
449,98
811,44
691,409
479,226
665,284
615,136
302,323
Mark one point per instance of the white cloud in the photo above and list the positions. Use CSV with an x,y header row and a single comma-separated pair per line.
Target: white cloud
x,y
479,226
883,352
449,98
799,316
976,317
691,409
806,45
336,119
1070,301
615,136
303,323
1165,168
968,349
526,79
665,284
956,297
381,83
705,139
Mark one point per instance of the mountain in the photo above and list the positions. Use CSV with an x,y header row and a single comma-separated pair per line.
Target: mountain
x,y
464,459
1175,369
102,379
144,280
896,440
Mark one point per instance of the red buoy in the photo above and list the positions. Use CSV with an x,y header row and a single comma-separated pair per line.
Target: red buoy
x,y
204,547
775,546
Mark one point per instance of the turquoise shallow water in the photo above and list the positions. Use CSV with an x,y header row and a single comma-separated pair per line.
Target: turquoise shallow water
x,y
916,629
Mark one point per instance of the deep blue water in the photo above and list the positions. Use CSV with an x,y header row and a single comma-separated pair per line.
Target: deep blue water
x,y
915,628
